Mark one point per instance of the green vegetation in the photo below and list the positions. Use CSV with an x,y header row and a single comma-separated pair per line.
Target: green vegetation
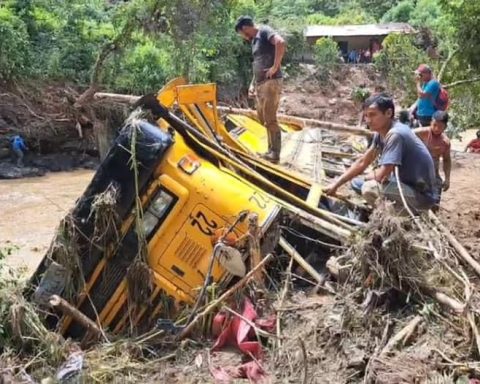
x,y
327,57
135,46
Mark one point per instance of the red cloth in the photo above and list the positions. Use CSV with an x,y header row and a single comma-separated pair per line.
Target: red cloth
x,y
235,332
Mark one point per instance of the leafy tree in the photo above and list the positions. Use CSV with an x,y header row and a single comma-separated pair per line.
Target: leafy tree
x,y
464,17
377,8
347,16
398,60
14,45
327,57
400,13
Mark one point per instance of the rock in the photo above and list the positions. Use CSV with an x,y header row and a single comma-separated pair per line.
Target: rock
x,y
356,360
332,101
4,153
54,162
11,171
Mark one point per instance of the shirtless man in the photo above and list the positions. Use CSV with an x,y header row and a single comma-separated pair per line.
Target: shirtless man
x,y
439,146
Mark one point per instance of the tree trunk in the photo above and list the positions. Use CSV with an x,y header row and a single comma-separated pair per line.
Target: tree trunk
x,y
451,55
104,135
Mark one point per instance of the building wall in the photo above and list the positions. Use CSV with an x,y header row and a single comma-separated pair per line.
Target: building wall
x,y
353,42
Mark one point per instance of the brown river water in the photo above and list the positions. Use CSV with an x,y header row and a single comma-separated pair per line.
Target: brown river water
x,y
30,210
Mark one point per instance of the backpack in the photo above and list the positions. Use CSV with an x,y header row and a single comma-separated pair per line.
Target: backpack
x,y
443,99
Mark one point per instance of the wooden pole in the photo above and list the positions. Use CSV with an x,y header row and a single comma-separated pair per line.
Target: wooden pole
x,y
296,120
116,97
302,121
68,310
239,284
300,260
254,246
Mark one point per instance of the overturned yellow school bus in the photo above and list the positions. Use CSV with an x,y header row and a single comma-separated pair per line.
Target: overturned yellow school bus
x,y
194,205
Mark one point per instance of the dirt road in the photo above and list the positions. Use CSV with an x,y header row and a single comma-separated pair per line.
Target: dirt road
x,y
31,210
460,207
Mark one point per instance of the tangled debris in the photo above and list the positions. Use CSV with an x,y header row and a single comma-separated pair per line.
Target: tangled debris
x,y
106,222
383,324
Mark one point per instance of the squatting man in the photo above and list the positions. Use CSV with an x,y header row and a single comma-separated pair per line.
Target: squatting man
x,y
396,145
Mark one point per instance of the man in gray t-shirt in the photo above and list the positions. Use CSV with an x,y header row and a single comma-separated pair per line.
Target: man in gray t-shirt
x,y
268,48
396,146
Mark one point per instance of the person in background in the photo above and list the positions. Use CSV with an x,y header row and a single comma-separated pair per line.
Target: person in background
x,y
18,147
352,56
474,145
404,117
368,56
428,90
396,146
268,49
438,144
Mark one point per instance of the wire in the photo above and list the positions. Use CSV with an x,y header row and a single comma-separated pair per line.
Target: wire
x,y
205,284
302,236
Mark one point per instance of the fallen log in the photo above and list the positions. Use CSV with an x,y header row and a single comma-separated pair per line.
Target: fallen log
x,y
116,97
300,121
303,122
67,309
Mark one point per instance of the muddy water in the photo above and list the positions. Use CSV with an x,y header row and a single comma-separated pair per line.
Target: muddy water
x,y
30,210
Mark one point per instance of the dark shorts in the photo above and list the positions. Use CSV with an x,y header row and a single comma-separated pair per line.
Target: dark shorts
x,y
424,120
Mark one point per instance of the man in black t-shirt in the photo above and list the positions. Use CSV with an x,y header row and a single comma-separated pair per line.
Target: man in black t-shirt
x,y
268,48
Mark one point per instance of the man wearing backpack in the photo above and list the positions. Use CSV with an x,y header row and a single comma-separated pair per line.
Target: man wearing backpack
x,y
431,96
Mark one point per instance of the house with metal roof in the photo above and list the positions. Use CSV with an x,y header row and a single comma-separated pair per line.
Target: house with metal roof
x,y
356,37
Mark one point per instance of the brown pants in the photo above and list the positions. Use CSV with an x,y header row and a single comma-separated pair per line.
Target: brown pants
x,y
268,98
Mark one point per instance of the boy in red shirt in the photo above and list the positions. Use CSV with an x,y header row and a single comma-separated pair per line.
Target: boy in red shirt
x,y
474,145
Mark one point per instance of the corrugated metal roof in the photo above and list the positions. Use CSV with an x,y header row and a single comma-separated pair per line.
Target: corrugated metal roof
x,y
357,30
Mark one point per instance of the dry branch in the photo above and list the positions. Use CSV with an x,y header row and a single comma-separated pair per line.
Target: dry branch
x,y
402,336
462,252
461,82
242,282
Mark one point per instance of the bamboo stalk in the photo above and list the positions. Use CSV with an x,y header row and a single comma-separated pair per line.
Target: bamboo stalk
x,y
302,121
300,260
254,246
239,284
462,252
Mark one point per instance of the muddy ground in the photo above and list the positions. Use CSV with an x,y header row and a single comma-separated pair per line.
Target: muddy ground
x,y
460,208
31,209
45,116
